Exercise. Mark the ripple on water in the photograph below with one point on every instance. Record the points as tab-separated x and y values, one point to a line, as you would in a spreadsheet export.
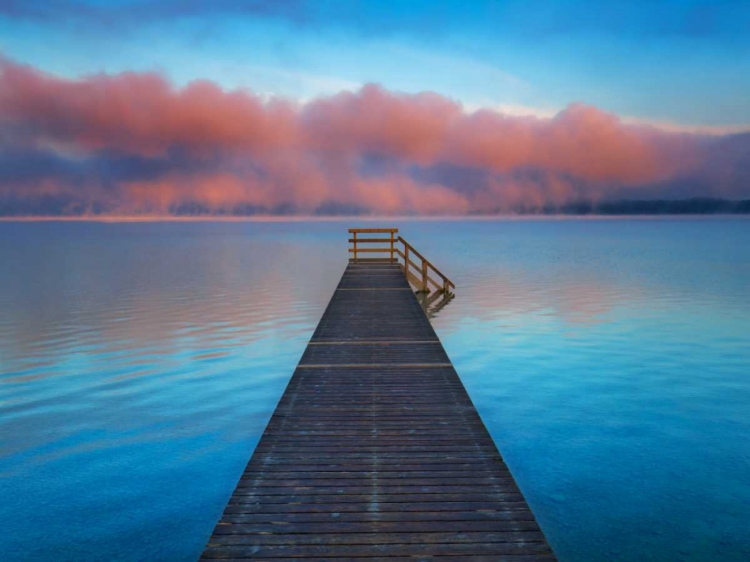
141	362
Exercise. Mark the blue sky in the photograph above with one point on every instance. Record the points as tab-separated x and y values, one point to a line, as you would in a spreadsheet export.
683	63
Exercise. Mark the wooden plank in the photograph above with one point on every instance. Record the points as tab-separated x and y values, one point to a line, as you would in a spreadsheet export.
335	534
460	515
372	230
217	550
363	261
373	289
404	342
459	558
370	250
375	449
382	240
412	511
349	558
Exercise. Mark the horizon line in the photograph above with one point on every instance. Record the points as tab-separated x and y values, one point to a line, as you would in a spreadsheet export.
342	218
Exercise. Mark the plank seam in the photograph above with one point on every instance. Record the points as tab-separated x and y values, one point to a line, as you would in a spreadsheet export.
373	365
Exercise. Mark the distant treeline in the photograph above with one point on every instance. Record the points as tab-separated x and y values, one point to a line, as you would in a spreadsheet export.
695	206
51	206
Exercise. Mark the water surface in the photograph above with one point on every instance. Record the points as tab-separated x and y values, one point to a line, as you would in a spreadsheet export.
140	362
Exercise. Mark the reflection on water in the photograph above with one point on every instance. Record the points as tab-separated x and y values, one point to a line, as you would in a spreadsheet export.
432	303
610	360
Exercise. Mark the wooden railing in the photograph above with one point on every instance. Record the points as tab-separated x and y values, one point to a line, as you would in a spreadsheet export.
424	273
422	278
357	242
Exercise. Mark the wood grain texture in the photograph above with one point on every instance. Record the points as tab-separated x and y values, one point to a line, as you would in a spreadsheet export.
375	451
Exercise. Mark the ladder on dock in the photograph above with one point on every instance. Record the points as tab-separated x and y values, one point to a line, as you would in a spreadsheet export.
375	450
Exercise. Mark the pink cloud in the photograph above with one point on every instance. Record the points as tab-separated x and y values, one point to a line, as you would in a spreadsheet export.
373	120
140	113
239	150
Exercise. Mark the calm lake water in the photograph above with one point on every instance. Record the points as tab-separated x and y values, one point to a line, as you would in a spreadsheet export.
140	362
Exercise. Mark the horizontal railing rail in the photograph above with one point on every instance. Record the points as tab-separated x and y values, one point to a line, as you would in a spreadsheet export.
389	243
422	275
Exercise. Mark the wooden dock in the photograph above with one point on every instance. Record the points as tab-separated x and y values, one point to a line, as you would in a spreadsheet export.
375	450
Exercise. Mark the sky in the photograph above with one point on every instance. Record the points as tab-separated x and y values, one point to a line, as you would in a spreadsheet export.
345	107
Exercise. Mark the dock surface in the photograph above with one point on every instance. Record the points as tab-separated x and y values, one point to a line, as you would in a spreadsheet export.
375	450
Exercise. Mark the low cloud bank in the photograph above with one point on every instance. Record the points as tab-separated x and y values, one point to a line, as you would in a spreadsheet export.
132	143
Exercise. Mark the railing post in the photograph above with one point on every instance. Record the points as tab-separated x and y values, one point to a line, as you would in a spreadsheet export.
424	277
406	258
392	246
355	246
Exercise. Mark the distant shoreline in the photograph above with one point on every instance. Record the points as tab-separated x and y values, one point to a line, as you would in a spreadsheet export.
695	207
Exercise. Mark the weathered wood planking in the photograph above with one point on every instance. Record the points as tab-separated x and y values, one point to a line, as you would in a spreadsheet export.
375	450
